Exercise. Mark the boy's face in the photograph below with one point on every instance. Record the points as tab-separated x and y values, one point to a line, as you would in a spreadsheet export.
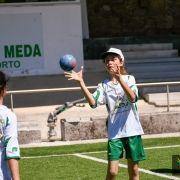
3	92
113	64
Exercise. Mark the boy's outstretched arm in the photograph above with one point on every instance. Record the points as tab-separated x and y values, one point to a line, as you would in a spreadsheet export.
77	76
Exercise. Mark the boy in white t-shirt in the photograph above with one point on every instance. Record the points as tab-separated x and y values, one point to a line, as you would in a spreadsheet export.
120	95
9	148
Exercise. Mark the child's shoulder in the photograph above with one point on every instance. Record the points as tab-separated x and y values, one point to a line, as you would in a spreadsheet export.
4	110
103	83
129	77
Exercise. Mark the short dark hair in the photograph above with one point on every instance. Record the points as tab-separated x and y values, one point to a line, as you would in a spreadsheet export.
3	80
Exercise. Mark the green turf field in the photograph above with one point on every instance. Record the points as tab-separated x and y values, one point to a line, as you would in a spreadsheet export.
64	163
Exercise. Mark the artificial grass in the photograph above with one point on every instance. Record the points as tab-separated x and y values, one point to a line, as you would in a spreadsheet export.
68	149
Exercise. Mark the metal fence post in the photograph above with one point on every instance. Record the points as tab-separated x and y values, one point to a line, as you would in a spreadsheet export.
168	104
12	105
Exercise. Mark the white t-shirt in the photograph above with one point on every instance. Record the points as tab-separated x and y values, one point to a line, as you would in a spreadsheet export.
123	118
9	147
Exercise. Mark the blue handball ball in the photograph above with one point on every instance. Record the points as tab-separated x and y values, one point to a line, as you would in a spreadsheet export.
68	62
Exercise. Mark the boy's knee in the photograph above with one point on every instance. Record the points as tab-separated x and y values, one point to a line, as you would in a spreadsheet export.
113	172
135	170
113	168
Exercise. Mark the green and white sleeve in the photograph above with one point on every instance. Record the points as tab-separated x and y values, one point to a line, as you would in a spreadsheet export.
11	140
99	95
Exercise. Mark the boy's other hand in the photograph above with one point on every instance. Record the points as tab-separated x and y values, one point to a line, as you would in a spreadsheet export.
118	72
77	76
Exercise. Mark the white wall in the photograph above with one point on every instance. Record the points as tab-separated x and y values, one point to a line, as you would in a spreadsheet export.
55	27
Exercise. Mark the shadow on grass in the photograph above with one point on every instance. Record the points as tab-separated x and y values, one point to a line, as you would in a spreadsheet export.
166	170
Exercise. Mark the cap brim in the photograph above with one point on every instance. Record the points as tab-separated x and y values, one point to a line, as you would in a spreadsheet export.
105	54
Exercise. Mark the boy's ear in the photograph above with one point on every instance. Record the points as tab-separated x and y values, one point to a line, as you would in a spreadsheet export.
121	62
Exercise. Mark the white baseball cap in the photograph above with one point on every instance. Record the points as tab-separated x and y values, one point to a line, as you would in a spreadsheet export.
113	51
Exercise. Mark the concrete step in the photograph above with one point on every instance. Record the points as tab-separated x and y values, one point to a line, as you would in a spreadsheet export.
142	47
150	54
154	67
160	99
154	60
158	79
156	75
159	89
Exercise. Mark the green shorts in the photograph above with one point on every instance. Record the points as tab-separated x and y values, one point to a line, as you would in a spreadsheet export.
132	146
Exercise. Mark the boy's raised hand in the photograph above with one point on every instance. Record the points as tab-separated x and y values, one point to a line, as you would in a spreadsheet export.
77	76
118	71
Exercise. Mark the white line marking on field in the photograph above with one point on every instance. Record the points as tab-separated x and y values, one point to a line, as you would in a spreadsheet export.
94	152
46	156
161	147
125	166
